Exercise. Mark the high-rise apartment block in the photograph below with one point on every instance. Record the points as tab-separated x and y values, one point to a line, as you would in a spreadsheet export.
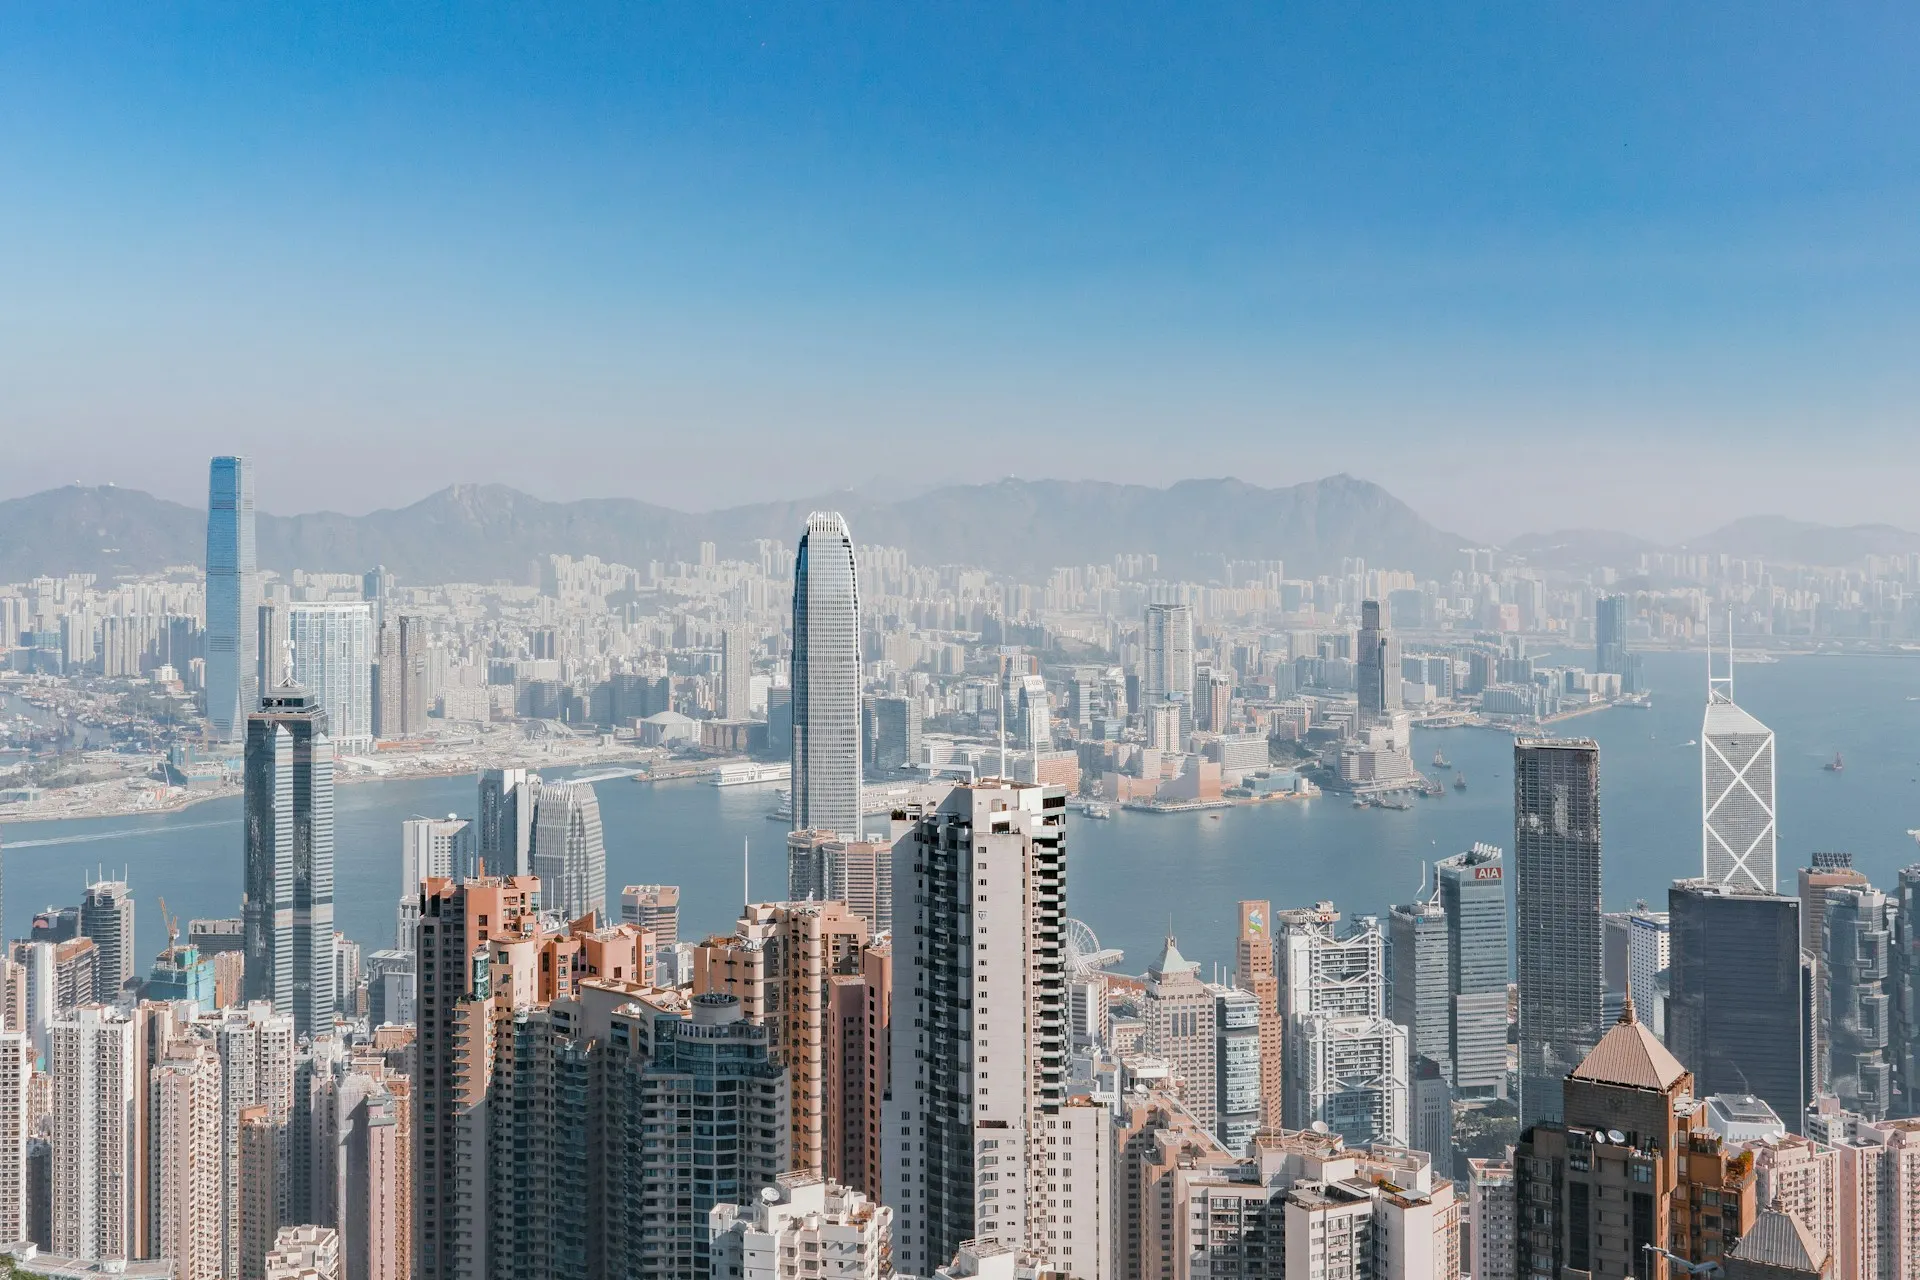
187	1176
569	850
824	865
1556	837
807	1228
94	1067
655	908
1473	894
735	700
16	1126
233	591
1492	1220
826	679
331	643
404	677
979	1022
780	965
1741	995
288	905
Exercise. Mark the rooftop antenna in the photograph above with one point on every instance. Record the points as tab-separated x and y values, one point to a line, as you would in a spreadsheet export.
746	874
1720	688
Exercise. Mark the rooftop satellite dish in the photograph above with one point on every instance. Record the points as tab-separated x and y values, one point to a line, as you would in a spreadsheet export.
1616	1137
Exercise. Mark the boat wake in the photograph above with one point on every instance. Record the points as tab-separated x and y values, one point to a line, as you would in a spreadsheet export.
91	836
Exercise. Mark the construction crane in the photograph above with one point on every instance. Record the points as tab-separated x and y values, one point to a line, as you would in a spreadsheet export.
171	922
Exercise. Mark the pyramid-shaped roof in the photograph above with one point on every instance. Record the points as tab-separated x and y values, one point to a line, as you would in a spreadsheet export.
1629	1055
1171	961
1778	1239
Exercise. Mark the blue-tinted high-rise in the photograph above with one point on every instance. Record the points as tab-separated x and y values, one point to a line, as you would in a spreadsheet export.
288	840
233	589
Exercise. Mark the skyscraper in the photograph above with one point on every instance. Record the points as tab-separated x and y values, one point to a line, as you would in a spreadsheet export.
288	907
1737	1015
1473	892
403	695
1255	970
979	1028
1181	1028
106	916
93	1062
504	843
1347	1061
1556	839
569	850
332	648
1610	653
1417	963
429	847
736	674
826	679
1376	666
233	590
1857	1011
1737	831
1166	673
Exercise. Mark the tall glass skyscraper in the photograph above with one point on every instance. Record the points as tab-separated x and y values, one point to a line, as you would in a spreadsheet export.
287	912
1167	669
332	646
570	850
1556	862
1473	891
233	590
1737	831
826	679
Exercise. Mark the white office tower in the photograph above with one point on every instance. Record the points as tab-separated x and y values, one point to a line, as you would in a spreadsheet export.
186	1173
1036	715
429	847
16	1080
802	1228
504	841
1346	1061
96	1090
826	679
1166	673
332	648
1737	831
979	1053
569	851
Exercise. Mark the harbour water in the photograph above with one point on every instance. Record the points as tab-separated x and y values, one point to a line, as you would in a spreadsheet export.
1130	876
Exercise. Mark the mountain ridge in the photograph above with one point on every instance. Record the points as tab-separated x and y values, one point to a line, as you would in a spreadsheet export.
484	532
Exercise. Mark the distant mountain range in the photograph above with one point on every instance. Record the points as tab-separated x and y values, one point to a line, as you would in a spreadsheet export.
481	533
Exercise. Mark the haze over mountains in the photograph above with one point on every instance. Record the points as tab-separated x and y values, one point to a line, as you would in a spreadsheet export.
488	532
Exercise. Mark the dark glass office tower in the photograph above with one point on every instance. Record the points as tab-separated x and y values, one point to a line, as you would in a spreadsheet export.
1473	892
233	590
288	908
1735	1012
1556	862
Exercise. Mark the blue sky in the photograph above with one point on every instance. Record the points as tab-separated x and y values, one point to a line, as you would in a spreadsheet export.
1529	266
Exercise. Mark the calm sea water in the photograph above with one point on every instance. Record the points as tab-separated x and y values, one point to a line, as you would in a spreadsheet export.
1133	876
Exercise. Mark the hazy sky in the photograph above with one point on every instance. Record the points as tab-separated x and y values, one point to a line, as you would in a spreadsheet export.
1529	266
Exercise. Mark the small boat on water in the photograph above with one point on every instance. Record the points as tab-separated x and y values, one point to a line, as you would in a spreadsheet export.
1440	760
1834	765
1459	782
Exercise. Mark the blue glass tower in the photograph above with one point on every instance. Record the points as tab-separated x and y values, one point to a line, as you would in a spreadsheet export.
233	591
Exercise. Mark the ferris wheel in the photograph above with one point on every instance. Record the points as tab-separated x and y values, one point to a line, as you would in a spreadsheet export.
1085	955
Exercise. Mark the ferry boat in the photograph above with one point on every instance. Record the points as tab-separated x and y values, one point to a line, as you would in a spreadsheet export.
1459	782
1834	765
1096	809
